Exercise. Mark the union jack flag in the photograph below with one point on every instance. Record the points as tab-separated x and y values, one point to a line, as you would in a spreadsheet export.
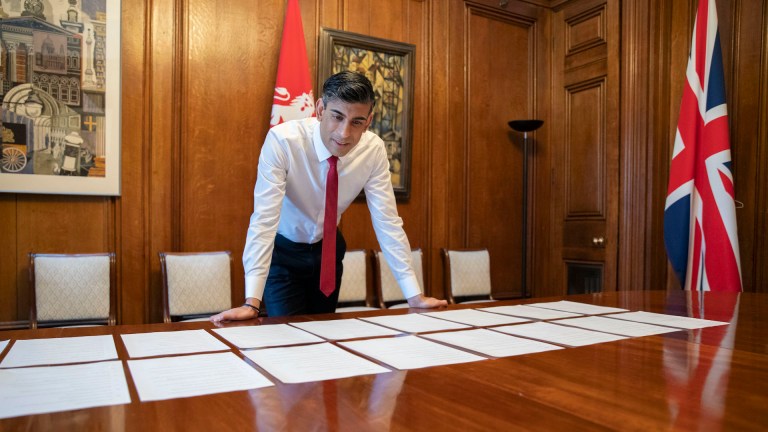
700	216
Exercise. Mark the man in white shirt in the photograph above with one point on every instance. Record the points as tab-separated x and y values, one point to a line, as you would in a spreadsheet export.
282	256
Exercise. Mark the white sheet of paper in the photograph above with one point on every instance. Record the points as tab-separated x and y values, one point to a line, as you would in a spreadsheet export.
3	344
531	312
563	335
31	352
620	327
193	375
317	362
576	307
410	352
172	342
475	318
491	343
266	336
414	323
47	389
344	329
668	320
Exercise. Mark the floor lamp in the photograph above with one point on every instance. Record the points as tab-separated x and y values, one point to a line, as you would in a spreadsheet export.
525	126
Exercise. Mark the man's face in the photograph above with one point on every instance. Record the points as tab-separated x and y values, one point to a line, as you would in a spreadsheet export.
342	124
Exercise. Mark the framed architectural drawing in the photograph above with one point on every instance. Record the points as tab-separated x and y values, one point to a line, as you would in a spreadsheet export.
390	67
60	92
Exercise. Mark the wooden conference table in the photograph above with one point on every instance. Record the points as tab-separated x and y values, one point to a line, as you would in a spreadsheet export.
707	379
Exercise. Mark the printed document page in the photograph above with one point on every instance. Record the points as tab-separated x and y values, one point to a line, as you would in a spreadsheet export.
668	320
491	343
620	327
47	389
307	363
475	317
266	336
193	375
344	329
576	307
3	344
563	335
30	352
172	342
414	323
410	352
531	312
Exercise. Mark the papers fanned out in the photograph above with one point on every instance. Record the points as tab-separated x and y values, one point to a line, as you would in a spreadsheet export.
414	323
30	352
266	336
491	343
344	329
576	307
38	390
315	362
620	327
531	312
668	320
194	375
475	318
558	334
410	352
168	343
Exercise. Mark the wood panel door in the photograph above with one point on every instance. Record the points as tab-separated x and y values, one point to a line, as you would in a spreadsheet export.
586	180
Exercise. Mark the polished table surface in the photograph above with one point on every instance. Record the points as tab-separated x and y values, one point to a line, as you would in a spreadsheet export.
707	379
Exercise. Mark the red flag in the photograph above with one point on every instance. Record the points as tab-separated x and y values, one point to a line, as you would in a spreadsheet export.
700	214
293	97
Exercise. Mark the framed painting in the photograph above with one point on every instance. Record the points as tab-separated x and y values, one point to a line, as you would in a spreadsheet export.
60	92
390	67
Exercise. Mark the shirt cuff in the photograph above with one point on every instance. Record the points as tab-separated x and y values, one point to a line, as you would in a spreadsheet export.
253	288
410	286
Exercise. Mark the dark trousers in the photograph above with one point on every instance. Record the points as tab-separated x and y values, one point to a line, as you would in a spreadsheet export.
293	284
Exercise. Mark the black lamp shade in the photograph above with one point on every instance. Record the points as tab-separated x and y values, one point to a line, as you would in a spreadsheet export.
525	125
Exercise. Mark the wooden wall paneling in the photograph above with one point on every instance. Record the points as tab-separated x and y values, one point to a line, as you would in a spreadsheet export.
439	126
10	294
497	42
659	147
161	199
131	209
761	226
746	110
541	155
636	147
586	86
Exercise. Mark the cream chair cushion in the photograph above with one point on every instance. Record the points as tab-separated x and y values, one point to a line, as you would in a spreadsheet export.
353	280
198	283
390	290
470	273
72	287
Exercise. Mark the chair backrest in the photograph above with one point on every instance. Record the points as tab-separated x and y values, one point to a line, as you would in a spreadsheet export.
356	287
195	283
467	273
387	289
72	289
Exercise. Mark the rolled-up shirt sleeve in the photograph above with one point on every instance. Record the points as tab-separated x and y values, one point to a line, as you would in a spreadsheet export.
389	226
268	197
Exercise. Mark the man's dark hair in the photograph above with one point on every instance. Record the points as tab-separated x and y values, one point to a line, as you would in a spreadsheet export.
349	87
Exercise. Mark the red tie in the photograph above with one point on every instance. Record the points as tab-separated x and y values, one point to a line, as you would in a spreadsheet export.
328	263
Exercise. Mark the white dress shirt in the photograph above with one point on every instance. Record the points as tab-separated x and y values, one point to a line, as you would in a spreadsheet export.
289	199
